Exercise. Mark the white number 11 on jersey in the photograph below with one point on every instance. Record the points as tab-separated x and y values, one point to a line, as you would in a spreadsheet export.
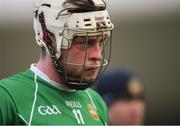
78	116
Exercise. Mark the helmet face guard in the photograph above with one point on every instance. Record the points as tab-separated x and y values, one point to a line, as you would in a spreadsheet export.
81	82
67	26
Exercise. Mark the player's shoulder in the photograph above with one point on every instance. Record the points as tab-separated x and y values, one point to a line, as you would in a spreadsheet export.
95	95
92	91
12	87
16	80
99	103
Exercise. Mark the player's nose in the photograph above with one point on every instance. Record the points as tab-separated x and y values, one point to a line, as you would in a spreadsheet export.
95	52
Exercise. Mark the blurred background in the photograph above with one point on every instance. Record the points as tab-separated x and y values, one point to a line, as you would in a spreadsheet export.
146	39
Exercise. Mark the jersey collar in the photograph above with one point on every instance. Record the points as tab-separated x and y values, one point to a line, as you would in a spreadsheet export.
43	76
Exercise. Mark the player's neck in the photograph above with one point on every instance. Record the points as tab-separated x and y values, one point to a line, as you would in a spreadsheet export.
46	66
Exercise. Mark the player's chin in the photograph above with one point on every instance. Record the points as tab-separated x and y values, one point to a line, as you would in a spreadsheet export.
90	77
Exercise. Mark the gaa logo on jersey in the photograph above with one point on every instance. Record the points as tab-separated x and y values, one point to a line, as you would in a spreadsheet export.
92	112
49	110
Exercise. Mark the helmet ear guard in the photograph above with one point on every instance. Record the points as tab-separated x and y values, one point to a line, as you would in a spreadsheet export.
65	27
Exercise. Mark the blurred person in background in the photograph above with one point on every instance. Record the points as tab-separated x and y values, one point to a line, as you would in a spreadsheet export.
123	93
72	35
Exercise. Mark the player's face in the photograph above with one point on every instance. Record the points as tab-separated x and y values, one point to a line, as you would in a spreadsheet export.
127	112
82	53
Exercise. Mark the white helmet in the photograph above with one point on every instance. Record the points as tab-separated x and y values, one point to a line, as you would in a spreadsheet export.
54	16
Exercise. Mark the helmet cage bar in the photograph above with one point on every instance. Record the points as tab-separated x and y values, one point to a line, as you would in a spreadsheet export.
65	70
103	53
109	57
105	62
85	56
108	60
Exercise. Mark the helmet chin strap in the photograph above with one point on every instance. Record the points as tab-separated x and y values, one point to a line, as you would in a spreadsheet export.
71	82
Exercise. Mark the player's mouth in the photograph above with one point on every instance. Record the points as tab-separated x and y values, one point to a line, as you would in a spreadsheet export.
91	70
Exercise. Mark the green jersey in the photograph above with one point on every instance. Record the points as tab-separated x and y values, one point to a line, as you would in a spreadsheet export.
30	98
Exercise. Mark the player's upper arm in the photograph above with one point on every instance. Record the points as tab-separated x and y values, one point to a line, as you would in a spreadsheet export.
8	112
